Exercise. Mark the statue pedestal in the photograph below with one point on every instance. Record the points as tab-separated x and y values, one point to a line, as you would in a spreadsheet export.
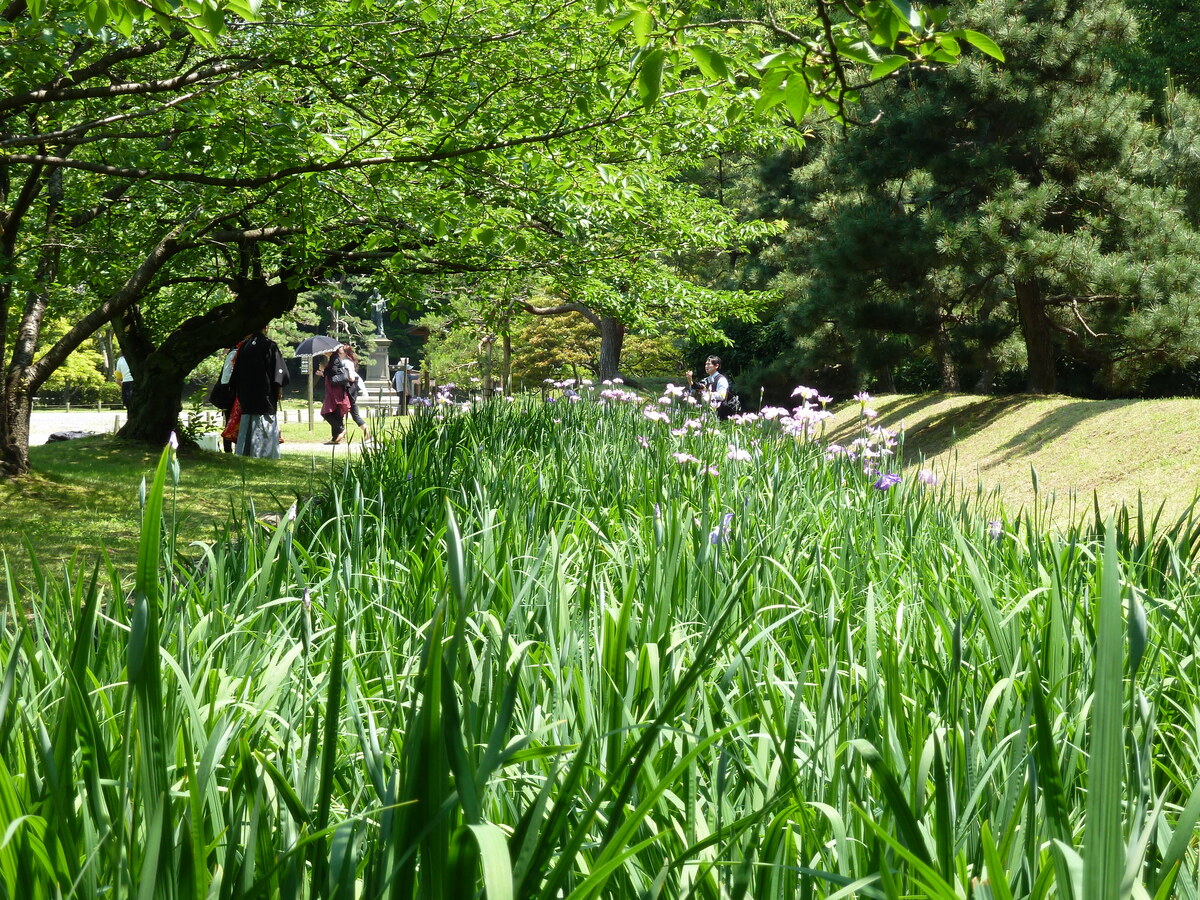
379	369
378	376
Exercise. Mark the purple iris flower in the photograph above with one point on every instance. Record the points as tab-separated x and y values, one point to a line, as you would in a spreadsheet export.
721	532
887	481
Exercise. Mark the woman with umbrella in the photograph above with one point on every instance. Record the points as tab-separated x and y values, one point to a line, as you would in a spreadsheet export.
337	401
339	373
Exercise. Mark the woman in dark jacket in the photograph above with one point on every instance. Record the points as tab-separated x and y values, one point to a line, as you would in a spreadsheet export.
337	400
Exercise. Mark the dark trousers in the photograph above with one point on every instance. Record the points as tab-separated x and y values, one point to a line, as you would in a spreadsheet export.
127	394
337	422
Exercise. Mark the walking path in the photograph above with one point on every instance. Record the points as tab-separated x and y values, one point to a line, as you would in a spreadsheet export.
43	423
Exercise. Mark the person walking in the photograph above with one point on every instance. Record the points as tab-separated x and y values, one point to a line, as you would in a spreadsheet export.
224	399
337	401
259	377
400	383
354	387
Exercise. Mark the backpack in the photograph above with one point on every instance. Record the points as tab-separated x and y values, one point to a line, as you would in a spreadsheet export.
730	406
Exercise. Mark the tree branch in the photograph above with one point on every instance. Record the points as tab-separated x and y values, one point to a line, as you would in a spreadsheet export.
561	310
54	95
114	306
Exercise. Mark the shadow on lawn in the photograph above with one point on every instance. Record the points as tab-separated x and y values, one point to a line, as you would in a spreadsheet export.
939	432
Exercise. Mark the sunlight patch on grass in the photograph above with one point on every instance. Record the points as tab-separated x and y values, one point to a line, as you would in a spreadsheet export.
82	499
1112	449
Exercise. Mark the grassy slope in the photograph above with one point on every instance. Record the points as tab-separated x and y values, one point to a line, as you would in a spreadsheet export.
1110	448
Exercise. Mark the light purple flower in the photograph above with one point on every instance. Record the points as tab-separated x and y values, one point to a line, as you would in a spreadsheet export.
720	534
926	476
643	440
173	441
887	481
994	529
737	454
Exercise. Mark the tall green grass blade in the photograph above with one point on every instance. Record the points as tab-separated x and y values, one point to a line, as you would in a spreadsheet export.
493	854
1103	841
158	869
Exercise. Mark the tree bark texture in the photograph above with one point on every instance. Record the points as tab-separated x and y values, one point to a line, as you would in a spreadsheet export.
612	340
945	357
1039	344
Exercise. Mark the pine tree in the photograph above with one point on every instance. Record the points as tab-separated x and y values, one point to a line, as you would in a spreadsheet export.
1006	215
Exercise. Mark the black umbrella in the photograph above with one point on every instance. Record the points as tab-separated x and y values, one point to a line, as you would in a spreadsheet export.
316	345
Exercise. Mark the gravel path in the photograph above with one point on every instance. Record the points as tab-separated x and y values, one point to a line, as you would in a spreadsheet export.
44	423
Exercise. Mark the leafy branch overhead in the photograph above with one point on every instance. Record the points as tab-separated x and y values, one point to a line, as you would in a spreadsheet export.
818	57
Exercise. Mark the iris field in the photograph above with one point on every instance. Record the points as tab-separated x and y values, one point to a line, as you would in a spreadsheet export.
592	648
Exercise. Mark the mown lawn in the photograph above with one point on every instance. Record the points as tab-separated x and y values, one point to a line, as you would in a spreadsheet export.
83	499
1083	452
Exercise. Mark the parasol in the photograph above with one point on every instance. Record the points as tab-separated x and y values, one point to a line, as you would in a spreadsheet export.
316	345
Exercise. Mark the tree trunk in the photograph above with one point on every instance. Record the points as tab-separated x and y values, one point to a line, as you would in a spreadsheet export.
506	364
14	427
21	379
612	339
1035	328
24	375
945	357
158	391
612	333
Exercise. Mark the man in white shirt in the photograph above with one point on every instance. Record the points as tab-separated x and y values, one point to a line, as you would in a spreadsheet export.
400	385
714	387
124	378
